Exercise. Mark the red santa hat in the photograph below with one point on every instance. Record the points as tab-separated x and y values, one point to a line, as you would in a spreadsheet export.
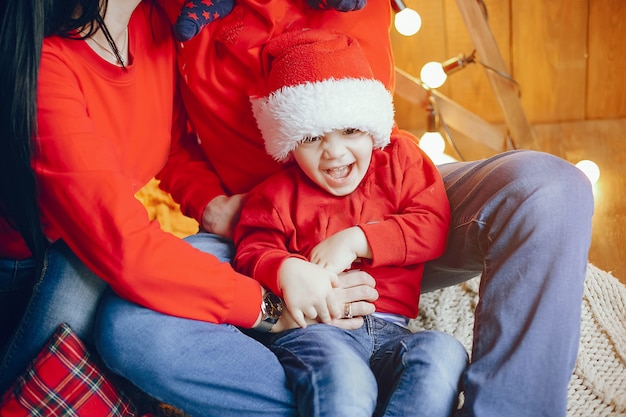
318	81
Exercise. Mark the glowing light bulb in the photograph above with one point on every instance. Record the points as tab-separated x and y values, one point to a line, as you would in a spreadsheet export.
590	169
432	143
408	22
433	75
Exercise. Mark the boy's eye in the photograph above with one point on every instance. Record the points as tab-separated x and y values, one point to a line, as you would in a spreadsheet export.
351	131
310	139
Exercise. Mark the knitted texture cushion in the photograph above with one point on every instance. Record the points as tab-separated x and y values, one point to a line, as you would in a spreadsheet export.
598	384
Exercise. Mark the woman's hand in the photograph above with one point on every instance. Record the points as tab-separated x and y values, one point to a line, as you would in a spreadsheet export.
222	213
356	288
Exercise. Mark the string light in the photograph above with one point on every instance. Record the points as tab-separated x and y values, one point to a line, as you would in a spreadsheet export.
434	74
407	21
590	169
431	141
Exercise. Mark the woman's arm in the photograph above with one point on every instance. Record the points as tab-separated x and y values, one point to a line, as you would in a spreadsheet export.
101	138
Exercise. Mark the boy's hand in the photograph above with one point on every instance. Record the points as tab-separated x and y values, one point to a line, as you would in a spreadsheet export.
308	291
337	252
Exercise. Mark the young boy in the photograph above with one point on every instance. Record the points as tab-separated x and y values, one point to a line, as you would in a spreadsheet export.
359	196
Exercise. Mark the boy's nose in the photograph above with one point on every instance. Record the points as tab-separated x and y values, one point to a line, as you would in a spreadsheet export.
333	147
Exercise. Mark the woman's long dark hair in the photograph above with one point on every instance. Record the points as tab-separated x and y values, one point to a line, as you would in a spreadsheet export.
23	25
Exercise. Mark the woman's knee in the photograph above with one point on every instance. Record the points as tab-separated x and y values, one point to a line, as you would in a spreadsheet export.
136	341
117	333
66	291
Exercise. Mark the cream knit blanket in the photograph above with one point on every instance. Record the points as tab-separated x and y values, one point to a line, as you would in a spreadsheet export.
598	384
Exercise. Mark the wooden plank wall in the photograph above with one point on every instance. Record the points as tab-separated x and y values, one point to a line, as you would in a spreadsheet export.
570	61
568	57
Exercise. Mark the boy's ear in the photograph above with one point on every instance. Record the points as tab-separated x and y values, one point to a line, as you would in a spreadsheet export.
196	14
339	5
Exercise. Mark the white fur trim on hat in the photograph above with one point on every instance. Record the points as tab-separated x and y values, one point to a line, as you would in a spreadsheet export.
290	114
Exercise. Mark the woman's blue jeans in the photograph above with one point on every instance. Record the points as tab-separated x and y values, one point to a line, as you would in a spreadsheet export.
522	219
65	290
202	368
378	370
16	284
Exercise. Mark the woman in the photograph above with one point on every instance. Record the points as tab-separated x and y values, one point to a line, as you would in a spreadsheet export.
93	105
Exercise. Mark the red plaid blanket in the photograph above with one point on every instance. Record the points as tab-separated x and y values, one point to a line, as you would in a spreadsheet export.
63	381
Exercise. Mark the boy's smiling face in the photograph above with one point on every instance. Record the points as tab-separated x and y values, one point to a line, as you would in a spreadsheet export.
336	161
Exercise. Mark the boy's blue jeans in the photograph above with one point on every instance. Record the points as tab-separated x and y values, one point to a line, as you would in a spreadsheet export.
378	370
522	219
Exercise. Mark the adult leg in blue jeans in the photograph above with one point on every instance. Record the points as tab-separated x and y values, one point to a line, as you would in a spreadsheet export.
523	220
204	369
66	291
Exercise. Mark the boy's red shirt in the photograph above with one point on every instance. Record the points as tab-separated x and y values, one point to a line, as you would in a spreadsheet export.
400	205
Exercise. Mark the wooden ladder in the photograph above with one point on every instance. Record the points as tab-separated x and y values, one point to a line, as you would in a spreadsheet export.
461	119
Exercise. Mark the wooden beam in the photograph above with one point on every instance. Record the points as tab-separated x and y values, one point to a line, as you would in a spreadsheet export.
505	90
453	114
